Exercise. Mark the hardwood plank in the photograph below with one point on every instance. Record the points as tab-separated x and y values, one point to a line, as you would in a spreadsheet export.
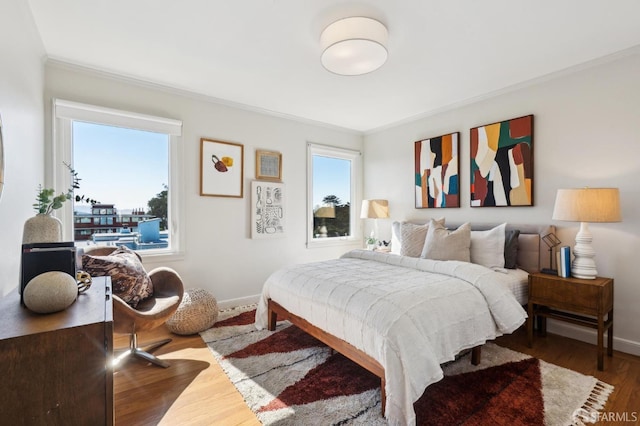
194	391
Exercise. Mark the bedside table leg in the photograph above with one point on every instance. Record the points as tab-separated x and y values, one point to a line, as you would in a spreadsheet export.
530	320
610	334
600	342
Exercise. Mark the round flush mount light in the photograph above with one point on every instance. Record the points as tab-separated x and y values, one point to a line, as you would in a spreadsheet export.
354	46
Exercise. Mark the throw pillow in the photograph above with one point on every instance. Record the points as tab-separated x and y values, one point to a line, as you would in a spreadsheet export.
129	279
511	248
442	244
395	238
487	247
412	237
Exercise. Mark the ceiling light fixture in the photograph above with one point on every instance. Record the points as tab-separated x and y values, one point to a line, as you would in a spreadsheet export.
354	46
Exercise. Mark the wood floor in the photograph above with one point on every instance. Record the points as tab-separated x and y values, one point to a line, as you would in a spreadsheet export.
195	391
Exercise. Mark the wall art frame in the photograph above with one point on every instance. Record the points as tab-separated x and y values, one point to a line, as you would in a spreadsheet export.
502	163
437	172
268	209
268	165
221	168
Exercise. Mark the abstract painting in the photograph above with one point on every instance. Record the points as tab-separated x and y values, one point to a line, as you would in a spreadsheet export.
436	172
502	163
267	210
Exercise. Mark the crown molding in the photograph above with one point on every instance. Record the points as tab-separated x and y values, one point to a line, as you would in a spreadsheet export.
635	50
64	64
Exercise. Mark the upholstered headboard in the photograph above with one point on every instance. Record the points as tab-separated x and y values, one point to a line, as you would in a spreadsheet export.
533	253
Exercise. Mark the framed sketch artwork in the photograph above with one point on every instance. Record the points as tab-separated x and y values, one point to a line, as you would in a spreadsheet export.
267	209
268	165
502	163
221	168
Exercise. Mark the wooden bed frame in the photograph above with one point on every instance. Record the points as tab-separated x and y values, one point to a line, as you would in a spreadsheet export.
276	311
532	256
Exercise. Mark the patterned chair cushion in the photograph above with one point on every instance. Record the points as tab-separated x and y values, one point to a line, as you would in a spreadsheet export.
129	279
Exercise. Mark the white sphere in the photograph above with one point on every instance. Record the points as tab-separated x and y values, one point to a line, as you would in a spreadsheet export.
49	292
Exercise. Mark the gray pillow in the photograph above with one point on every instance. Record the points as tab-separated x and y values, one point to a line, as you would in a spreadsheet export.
442	244
511	248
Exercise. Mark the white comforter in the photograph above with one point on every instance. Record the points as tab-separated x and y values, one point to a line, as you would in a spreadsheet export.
409	314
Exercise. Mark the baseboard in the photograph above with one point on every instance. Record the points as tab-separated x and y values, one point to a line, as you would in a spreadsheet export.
590	336
242	301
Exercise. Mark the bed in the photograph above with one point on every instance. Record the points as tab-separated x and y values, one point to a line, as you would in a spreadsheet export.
401	317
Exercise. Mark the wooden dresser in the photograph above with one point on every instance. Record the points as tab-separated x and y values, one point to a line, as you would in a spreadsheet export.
55	368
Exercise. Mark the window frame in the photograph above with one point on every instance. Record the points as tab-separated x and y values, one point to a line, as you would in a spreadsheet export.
355	157
65	112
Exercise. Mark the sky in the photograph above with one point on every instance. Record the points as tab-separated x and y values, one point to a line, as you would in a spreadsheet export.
331	176
132	168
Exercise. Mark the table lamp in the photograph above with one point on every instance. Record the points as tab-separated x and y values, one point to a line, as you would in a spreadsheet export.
327	212
375	209
586	205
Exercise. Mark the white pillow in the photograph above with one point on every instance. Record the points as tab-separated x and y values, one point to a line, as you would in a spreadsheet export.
487	247
442	244
395	238
412	237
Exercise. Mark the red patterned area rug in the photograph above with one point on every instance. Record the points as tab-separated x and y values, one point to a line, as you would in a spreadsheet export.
289	378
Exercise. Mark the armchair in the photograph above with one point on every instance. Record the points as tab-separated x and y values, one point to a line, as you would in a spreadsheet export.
150	313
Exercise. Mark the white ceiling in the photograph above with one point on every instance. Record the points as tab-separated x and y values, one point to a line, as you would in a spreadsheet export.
265	54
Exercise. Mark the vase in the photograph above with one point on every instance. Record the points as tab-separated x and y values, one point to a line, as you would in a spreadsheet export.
42	228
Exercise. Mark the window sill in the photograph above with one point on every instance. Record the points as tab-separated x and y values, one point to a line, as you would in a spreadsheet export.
333	242
160	256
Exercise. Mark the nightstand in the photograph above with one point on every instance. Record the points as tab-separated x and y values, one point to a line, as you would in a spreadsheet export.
577	301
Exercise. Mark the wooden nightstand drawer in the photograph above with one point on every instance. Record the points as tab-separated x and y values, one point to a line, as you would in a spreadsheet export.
590	297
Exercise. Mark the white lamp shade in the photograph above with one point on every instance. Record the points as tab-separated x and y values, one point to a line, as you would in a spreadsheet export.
588	205
354	46
374	209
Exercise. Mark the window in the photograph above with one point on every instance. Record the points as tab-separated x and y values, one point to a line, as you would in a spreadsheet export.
333	193
124	161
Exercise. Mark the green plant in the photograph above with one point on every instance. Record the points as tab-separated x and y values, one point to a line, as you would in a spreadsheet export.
371	240
47	201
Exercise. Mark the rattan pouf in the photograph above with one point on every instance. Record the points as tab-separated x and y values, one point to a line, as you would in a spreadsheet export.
197	312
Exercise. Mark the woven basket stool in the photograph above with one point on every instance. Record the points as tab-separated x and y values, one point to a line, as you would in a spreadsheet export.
197	312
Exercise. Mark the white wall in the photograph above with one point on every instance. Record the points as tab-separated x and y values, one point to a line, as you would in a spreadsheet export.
586	133
220	255
21	86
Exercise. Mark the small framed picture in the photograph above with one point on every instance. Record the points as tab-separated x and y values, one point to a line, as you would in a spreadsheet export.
221	168
268	165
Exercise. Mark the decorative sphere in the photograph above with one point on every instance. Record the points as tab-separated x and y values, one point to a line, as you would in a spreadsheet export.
49	292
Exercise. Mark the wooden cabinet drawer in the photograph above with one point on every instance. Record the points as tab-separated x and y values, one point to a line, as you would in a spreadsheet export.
581	296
